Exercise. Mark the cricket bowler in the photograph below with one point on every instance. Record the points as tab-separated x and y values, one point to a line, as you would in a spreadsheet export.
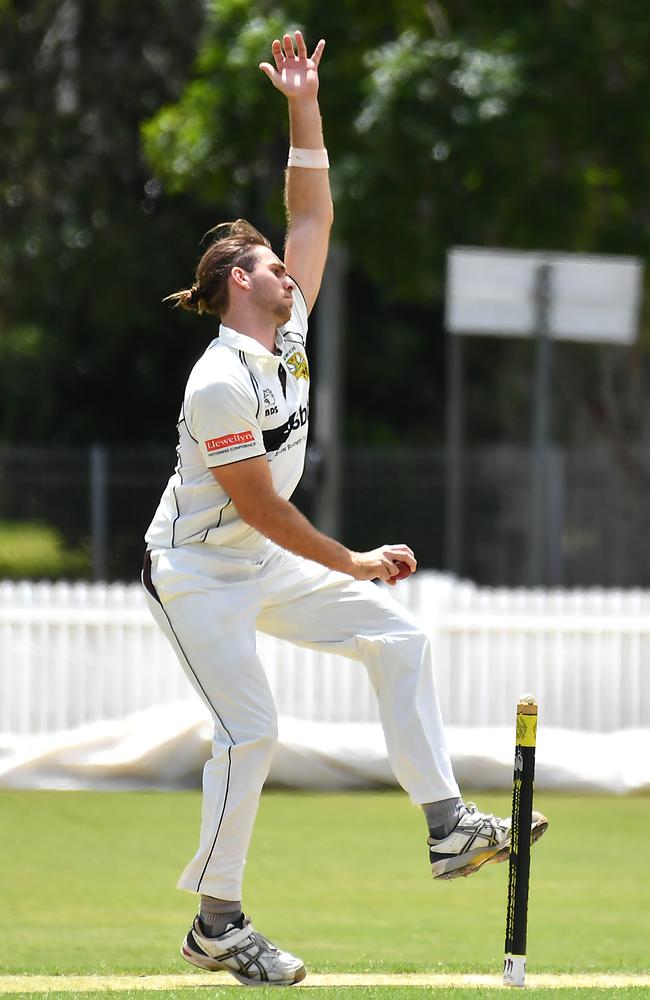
228	554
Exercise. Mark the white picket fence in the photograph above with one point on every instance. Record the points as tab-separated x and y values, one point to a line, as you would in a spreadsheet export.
77	653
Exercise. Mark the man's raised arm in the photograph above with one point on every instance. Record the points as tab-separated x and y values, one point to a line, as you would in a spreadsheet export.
308	199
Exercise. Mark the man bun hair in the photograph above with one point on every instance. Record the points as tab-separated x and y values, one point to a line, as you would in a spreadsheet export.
188	298
233	245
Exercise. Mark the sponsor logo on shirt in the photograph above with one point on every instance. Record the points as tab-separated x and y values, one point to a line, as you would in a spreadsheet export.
270	406
299	419
229	441
275	437
297	365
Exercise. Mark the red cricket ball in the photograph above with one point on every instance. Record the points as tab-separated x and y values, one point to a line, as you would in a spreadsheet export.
404	570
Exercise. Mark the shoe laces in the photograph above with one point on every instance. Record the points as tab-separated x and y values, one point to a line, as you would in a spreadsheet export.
263	943
489	819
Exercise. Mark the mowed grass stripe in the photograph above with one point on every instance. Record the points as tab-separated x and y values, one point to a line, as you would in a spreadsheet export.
102	984
340	880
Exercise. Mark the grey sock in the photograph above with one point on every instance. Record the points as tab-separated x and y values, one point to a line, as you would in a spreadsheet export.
215	914
442	816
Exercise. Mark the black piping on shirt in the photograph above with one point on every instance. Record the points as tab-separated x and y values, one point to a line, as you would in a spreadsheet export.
242	358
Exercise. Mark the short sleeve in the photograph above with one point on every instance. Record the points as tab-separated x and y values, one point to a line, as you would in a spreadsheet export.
299	321
223	419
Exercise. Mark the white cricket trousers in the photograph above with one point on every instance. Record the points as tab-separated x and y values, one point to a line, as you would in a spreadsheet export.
209	602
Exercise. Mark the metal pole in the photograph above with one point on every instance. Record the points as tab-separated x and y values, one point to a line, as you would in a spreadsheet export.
555	515
329	392
454	521
538	561
99	511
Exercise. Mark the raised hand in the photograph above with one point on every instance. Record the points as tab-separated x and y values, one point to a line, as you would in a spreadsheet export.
295	73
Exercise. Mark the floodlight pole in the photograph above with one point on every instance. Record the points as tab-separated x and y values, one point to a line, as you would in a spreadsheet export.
538	561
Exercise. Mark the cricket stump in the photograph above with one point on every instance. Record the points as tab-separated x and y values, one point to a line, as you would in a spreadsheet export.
514	965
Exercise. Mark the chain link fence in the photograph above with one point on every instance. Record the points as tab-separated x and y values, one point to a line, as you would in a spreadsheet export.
81	513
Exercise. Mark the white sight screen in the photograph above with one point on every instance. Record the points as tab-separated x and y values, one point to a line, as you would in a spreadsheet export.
591	298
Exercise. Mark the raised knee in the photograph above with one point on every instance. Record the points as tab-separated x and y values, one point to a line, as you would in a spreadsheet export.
407	649
415	651
410	636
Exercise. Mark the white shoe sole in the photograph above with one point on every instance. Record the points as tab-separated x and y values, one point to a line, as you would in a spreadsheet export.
466	864
212	965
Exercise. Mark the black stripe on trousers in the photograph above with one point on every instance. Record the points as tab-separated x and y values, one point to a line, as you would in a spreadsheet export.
147	583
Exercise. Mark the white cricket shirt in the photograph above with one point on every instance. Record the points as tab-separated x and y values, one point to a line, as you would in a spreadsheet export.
240	401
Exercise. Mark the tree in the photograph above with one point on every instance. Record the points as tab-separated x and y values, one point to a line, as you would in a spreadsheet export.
507	124
88	246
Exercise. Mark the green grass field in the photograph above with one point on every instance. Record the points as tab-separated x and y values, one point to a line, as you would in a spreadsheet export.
87	887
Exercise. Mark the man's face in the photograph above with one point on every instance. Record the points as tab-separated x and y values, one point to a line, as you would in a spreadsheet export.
271	287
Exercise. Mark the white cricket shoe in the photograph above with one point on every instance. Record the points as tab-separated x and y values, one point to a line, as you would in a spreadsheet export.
479	839
247	955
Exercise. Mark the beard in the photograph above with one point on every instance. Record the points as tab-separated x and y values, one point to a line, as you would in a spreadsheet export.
279	309
282	313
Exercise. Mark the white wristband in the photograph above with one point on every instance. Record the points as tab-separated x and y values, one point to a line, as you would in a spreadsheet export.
312	159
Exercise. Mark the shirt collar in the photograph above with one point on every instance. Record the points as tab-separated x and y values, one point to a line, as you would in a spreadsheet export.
240	342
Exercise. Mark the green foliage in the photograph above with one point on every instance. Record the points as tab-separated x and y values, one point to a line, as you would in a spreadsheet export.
430	104
24	382
37	551
218	140
88	249
505	124
509	124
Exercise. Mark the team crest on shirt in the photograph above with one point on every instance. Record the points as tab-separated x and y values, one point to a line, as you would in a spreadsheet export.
297	365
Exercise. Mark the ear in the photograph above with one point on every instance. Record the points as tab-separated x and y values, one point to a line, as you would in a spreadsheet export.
240	277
